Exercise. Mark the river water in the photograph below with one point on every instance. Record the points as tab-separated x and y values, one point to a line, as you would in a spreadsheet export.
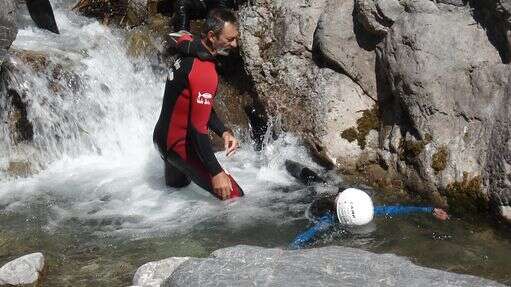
99	208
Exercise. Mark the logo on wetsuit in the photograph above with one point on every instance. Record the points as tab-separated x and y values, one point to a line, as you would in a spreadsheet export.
204	98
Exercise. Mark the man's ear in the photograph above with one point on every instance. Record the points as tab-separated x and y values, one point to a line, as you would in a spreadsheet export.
211	36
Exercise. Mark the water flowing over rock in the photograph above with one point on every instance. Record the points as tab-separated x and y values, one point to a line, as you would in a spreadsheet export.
327	266
125	12
318	103
28	270
8	28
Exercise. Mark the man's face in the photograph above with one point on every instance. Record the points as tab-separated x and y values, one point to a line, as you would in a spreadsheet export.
226	40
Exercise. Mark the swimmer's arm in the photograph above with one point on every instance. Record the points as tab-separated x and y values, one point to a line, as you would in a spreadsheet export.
304	238
392	210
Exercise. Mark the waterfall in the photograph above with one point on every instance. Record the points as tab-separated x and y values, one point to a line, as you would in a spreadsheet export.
82	94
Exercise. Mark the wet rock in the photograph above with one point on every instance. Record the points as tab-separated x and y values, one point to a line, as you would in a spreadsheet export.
435	78
153	274
118	12
8	30
302	173
28	270
327	266
140	44
339	45
317	103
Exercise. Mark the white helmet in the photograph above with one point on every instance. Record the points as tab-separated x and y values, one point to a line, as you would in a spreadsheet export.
354	207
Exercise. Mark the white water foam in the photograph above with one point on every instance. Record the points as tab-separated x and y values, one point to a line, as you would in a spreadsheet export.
100	167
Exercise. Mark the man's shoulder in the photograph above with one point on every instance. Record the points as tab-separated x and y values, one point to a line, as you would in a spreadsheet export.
183	63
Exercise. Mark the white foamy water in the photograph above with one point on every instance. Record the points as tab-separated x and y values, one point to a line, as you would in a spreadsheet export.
100	171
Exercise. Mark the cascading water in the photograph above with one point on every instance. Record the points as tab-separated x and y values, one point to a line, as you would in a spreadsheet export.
92	137
97	205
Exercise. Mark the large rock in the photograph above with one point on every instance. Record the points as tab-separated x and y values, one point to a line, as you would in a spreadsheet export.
153	274
338	43
28	270
120	12
376	16
446	109
327	266
8	28
317	103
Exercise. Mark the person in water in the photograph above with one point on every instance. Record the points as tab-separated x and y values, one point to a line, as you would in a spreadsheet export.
181	133
186	9
353	207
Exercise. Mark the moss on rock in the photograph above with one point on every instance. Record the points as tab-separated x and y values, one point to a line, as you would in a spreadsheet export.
410	149
350	134
369	121
439	159
466	197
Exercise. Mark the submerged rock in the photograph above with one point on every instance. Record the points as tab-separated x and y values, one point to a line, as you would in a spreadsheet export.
327	266
28	270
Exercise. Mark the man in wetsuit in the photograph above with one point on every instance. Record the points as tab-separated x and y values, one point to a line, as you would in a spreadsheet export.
181	133
186	9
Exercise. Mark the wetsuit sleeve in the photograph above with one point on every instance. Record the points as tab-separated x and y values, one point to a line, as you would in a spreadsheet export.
215	124
305	238
400	210
201	106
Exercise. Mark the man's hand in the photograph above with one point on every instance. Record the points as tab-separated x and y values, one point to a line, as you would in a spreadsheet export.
230	143
222	185
440	214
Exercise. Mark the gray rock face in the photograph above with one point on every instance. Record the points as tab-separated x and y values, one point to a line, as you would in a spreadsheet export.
438	77
327	266
445	96
26	271
317	103
8	28
336	40
376	16
152	274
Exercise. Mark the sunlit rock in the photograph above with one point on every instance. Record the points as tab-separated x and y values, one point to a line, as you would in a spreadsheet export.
450	106
317	103
28	270
345	48
153	274
327	266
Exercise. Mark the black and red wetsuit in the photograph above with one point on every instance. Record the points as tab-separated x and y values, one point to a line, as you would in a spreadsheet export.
181	133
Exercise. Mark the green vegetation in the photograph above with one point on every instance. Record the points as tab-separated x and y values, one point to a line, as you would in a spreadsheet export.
439	159
410	149
466	197
369	121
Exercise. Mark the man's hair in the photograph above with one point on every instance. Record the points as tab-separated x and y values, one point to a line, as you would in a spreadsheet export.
216	19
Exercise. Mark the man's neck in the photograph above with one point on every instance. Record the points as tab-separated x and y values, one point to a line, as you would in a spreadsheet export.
210	50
